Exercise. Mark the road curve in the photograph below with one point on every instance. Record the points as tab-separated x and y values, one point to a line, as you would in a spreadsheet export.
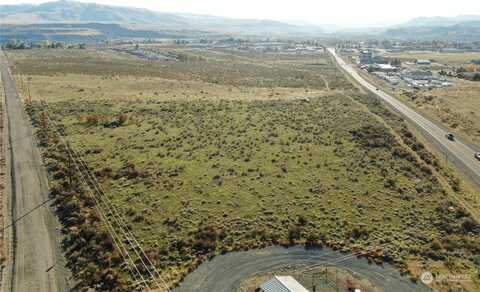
458	152
37	264
225	272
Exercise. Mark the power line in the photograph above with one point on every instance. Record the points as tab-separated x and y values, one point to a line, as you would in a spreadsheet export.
115	236
95	188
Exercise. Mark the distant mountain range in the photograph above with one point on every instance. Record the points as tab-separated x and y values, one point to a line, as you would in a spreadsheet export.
15	18
458	29
72	11
440	21
66	11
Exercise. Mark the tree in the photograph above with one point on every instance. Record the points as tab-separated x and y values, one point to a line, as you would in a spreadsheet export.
396	62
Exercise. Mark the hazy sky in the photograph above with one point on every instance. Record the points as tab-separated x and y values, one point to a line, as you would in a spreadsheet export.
341	12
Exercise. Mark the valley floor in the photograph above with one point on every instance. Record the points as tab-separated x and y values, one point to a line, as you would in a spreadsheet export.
205	156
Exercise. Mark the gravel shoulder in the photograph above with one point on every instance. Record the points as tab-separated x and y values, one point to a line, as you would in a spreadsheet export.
36	262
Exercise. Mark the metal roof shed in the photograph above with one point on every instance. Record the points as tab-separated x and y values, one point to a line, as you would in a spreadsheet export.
282	284
423	62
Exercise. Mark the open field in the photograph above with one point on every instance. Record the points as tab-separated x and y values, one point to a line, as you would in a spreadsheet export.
86	74
108	74
449	59
218	152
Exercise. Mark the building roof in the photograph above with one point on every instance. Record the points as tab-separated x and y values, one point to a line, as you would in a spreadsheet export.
420	73
423	61
282	284
386	67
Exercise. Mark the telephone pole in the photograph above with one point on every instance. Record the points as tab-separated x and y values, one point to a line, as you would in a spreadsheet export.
29	100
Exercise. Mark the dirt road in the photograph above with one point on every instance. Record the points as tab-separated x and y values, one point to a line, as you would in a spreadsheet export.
37	263
224	273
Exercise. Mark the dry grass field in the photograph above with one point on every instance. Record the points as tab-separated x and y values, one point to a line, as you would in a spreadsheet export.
449	59
90	74
218	152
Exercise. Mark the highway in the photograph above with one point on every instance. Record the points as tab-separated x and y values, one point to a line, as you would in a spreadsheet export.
458	152
36	263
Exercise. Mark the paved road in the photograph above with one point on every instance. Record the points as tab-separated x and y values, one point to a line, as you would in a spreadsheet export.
225	272
37	262
460	153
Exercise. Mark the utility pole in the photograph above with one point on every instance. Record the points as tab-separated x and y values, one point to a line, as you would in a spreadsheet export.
29	100
69	166
44	122
326	275
336	279
314	282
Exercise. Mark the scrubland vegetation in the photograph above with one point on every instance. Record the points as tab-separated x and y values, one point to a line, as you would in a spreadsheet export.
195	177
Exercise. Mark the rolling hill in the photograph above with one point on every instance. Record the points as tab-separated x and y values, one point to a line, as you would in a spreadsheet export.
24	21
66	11
73	11
461	32
440	21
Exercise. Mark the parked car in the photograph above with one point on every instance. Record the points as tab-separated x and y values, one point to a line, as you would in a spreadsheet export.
450	137
477	155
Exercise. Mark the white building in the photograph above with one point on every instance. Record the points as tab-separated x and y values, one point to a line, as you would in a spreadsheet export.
386	67
423	62
281	284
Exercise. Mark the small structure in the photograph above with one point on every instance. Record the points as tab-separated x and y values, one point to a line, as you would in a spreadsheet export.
423	62
385	68
281	284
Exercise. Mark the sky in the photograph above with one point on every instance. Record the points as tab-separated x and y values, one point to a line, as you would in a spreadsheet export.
345	13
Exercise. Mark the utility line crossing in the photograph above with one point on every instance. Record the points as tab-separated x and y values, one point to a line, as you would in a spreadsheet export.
124	240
